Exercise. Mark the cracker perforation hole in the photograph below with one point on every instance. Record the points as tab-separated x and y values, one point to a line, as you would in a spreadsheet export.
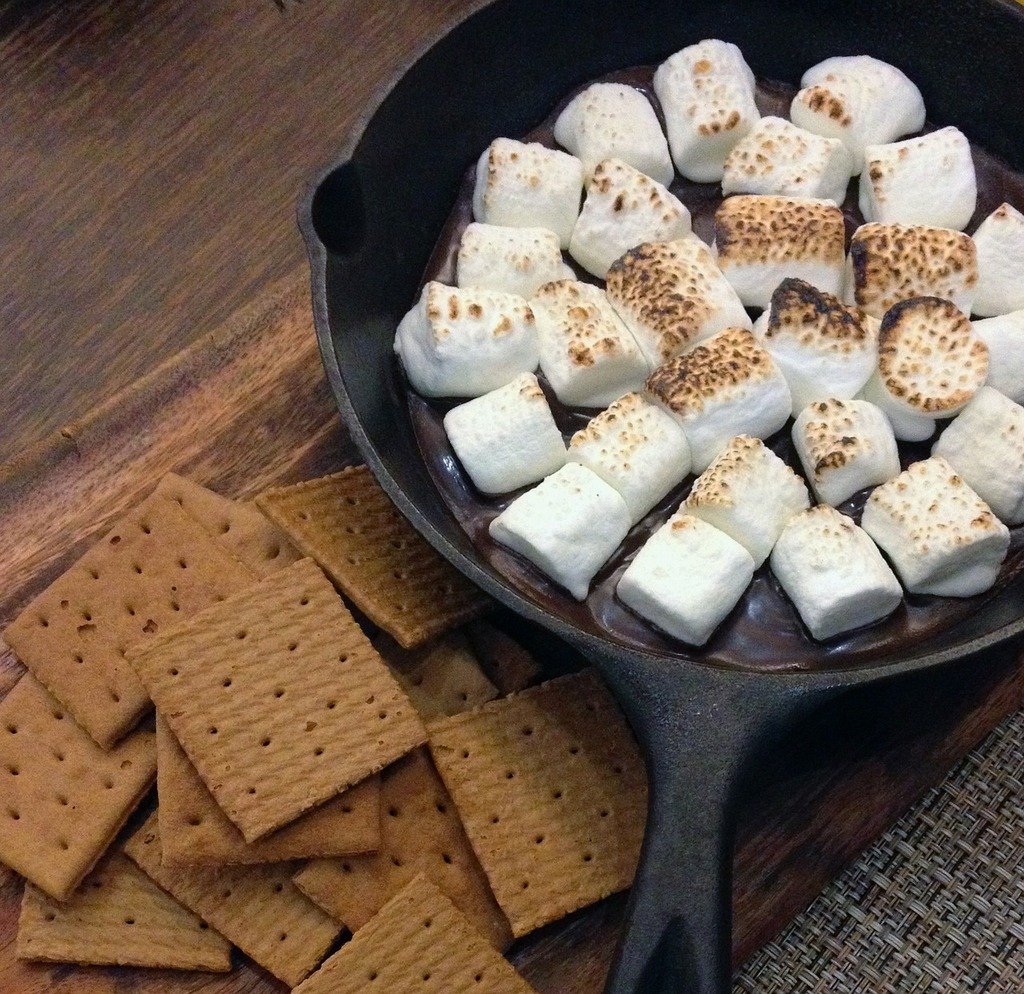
396	861
279	693
145	528
63	845
278	887
226	682
182	564
265	743
318	751
129	921
15	815
195	821
292	646
282	936
446	858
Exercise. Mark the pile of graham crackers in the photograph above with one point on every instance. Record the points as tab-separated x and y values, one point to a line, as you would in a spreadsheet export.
374	804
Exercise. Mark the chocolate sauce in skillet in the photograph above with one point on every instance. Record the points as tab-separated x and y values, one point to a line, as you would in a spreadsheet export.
763	632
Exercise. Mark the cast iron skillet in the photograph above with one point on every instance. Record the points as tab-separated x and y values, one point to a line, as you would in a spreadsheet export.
370	223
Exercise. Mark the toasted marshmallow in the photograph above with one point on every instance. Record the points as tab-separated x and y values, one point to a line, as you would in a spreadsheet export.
587	354
1000	244
844	446
860	101
893	262
672	295
463	343
568	526
725	387
927	180
510	260
777	157
624	208
749	493
611	120
930	363
833	574
940	535
707	93
759	241
522	185
1004	337
507	438
637	448
985	445
687	577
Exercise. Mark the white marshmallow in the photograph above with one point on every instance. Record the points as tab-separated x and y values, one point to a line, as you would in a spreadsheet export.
1000	244
637	448
942	538
510	260
749	493
1004	337
507	438
893	262
611	120
759	241
707	94
672	295
844	447
687	577
985	445
624	208
522	185
927	180
930	363
463	343
860	101
833	573
586	352
568	526
727	386
777	157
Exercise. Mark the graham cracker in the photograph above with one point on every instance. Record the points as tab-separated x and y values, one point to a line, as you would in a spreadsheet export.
507	664
194	830
278	699
247	533
552	791
156	566
419	943
62	798
257	908
349	526
420	833
118	917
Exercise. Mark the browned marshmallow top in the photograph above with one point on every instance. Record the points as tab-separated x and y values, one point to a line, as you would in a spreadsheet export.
816	319
773	229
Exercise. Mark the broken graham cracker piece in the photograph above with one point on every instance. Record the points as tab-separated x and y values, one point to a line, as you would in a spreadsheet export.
62	798
156	566
420	833
418	943
350	527
510	666
552	791
118	917
257	908
278	699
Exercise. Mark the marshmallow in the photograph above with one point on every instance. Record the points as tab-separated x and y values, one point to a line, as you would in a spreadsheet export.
833	573
1004	337
586	352
1000	244
462	343
672	295
687	577
930	363
635	447
611	120
778	157
707	93
725	387
568	526
860	101
528	186
507	438
940	535
511	260
926	180
844	447
749	493
893	262
985	445
624	208
823	347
